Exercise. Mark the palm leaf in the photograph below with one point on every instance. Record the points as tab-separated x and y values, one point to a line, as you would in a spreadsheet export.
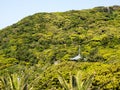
4	83
63	82
73	82
79	81
76	83
88	82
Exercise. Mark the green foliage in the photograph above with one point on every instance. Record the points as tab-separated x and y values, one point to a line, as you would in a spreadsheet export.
47	38
76	83
23	78
14	82
106	76
59	33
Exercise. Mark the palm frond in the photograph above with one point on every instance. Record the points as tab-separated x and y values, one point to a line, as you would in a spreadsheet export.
76	82
88	82
63	82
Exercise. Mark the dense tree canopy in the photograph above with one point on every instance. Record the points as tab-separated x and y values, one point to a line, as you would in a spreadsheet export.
48	37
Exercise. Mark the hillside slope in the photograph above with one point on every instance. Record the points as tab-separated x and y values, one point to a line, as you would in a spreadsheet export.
49	37
56	36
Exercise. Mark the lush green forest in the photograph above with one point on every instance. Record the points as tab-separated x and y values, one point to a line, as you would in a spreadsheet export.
38	49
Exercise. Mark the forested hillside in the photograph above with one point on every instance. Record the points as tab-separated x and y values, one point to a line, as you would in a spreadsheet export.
46	39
